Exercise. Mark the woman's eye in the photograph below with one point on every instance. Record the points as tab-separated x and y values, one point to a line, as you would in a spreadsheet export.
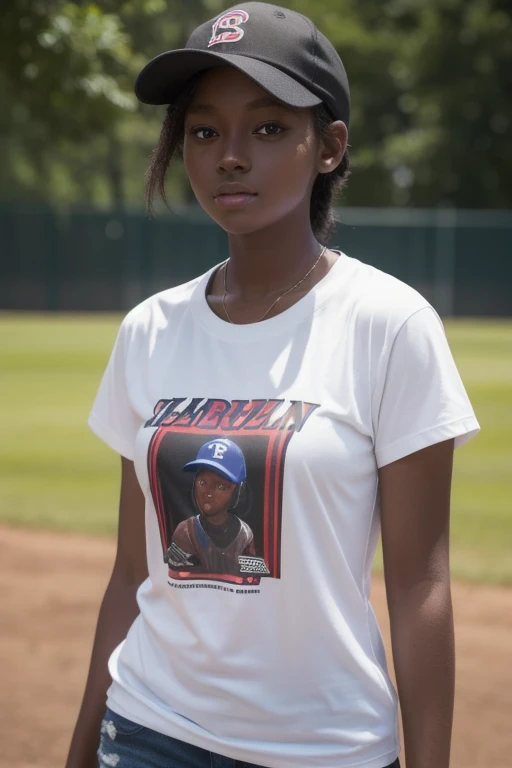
222	487
201	482
203	133
269	129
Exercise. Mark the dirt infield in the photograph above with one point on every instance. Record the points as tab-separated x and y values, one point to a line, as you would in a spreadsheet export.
51	585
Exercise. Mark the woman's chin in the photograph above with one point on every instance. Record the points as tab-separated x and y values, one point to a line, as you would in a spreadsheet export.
239	221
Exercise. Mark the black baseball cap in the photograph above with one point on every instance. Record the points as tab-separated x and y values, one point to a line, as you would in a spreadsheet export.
279	49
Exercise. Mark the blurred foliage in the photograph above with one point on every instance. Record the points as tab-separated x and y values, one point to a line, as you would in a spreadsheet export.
431	84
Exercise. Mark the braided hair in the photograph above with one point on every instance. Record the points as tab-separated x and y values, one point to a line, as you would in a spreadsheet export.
170	145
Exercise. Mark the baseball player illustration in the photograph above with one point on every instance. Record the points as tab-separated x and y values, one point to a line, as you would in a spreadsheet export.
215	540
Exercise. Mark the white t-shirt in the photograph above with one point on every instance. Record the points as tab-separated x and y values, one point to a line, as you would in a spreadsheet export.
266	649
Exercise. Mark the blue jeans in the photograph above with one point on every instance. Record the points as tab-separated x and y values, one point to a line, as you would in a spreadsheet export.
124	744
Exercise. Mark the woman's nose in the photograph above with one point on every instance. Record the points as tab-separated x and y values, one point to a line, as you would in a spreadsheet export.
233	158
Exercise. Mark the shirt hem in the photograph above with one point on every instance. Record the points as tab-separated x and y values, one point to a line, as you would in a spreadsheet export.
461	429
212	744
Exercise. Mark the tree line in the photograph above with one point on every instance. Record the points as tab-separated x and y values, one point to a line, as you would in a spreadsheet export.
431	84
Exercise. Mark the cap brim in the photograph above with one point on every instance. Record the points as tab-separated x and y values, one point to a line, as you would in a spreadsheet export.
194	466
161	79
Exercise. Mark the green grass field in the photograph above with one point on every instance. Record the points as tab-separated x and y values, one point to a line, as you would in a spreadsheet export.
55	474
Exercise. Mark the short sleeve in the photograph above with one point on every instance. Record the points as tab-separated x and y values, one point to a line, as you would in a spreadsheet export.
423	399
113	418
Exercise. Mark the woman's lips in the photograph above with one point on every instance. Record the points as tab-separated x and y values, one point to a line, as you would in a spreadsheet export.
235	200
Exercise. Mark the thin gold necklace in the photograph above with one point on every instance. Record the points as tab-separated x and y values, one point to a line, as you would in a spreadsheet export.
288	290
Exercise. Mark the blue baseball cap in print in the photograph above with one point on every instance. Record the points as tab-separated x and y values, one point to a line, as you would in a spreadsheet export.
222	456
279	49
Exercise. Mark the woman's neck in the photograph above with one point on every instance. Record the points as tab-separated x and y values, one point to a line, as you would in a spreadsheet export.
270	260
263	265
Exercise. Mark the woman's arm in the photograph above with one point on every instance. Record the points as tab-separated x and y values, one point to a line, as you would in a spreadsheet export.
415	512
117	613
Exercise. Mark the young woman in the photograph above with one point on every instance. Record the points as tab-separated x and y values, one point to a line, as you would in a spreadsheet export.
338	384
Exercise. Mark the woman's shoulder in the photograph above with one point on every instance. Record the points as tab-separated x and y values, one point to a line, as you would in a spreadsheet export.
160	308
378	299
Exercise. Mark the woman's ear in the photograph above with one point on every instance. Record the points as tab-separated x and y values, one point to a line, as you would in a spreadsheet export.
332	147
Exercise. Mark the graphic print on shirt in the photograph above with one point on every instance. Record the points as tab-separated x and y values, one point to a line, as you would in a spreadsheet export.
216	476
